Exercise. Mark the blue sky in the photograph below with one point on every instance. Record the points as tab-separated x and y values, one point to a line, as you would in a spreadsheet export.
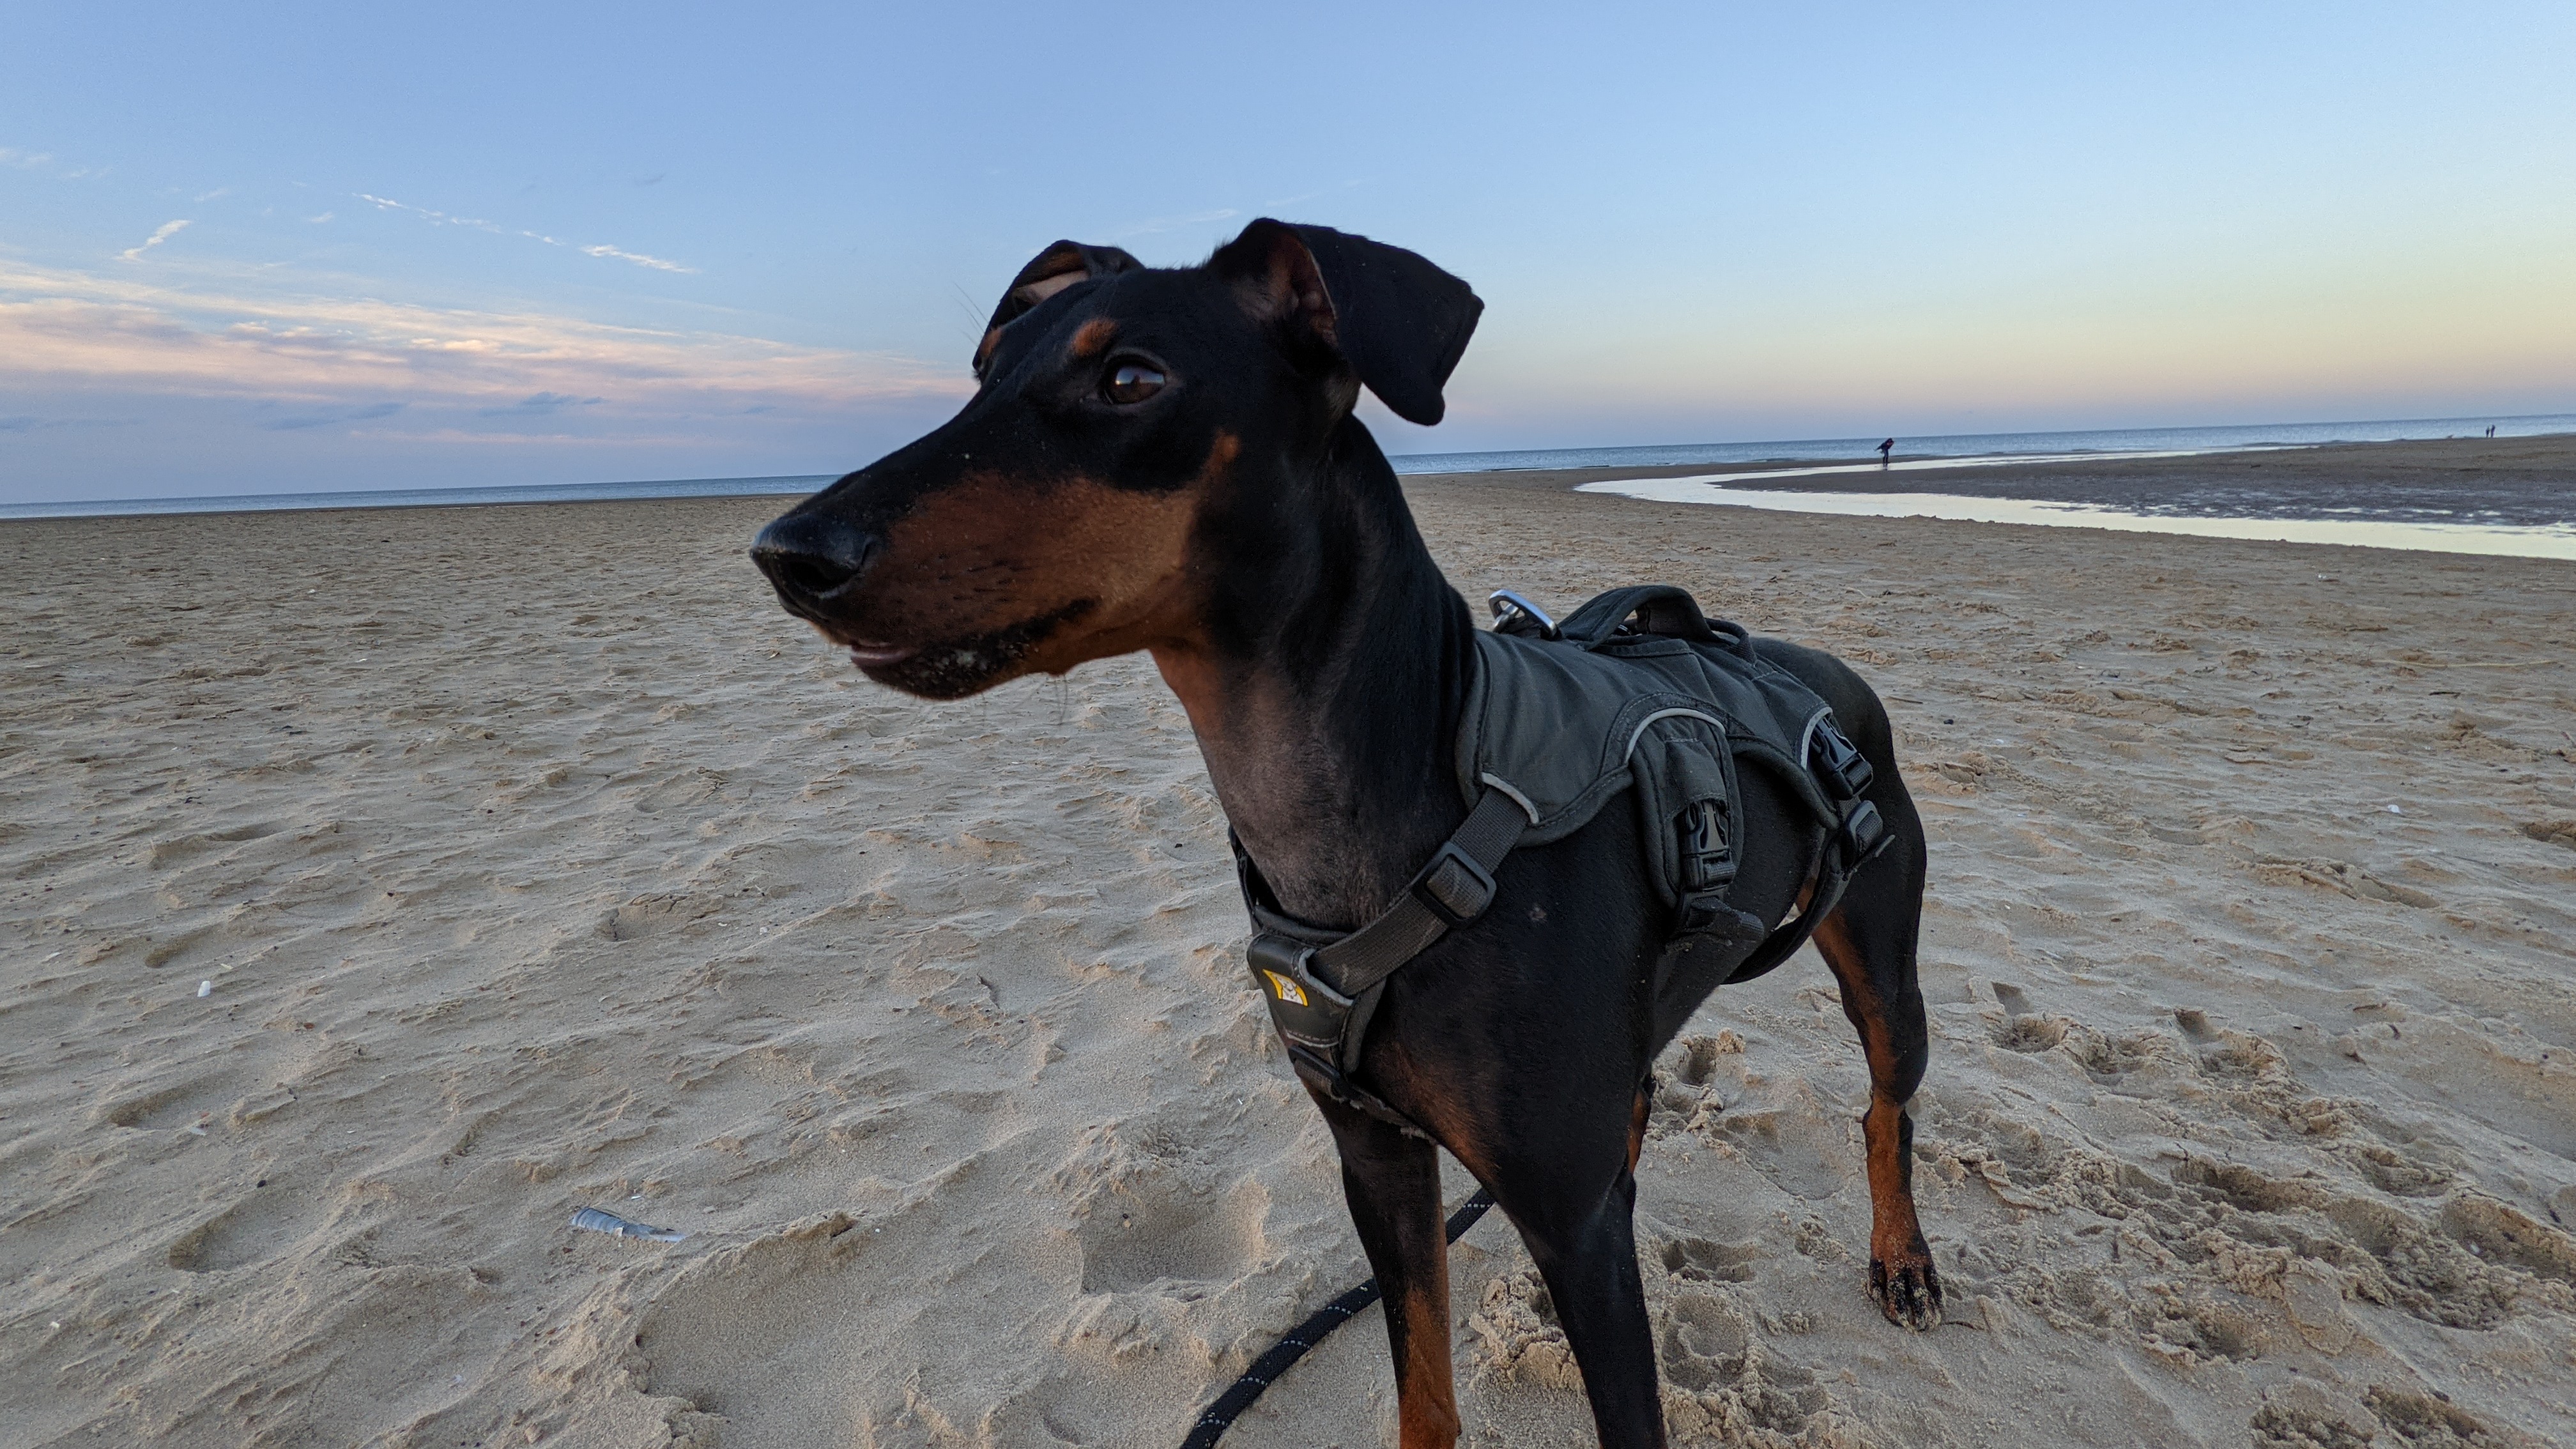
296	248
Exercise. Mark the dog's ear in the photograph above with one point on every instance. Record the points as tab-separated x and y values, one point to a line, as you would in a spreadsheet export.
1400	322
1050	272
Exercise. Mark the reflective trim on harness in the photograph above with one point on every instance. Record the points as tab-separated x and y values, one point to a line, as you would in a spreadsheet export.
1639	732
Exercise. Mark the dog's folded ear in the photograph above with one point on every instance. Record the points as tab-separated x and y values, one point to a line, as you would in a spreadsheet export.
1051	271
1400	322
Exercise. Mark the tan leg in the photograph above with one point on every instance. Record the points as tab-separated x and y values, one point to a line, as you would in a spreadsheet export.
1890	1022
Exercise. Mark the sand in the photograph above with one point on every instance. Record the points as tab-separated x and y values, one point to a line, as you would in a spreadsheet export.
533	861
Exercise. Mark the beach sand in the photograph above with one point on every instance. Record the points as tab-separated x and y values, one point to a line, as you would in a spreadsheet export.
532	860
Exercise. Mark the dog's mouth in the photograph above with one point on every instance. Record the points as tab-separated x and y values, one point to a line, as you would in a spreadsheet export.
956	667
867	654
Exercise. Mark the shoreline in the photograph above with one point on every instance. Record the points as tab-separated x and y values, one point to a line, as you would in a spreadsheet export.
2537	461
2532	474
2492	497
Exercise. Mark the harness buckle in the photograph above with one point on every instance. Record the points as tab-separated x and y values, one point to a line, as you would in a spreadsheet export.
1864	833
1454	886
1708	854
1837	763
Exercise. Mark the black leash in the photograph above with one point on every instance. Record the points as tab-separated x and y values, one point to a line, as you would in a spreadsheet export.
1220	1416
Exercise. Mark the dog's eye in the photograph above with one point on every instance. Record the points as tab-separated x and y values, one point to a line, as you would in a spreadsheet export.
1132	382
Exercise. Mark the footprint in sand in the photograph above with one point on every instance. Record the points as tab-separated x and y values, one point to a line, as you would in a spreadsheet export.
1709	1351
1697	1260
2020	1032
267	1224
1151	1230
2560	831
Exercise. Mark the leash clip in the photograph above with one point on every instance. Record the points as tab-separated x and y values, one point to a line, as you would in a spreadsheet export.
1510	608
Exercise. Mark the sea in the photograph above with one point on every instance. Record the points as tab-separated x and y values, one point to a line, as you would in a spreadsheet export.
2525	516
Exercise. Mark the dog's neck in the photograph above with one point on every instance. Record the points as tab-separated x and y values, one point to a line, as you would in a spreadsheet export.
1326	686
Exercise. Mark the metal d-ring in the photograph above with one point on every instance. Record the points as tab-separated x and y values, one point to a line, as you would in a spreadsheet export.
1505	604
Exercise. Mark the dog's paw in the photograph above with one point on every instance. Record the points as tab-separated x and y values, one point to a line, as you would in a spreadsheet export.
1906	1287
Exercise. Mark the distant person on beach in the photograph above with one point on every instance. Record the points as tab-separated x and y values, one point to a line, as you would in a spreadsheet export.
1886	451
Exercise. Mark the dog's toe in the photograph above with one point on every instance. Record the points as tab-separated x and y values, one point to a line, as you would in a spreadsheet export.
1907	1290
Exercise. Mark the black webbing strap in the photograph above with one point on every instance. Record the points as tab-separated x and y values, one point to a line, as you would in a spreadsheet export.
1323	988
1452	890
1836	864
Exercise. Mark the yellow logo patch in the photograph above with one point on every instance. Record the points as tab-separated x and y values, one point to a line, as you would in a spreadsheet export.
1285	989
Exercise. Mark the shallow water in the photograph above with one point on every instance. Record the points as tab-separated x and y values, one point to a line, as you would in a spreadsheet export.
2023	447
2555	541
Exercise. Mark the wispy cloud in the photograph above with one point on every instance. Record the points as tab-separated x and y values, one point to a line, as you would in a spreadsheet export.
638	258
439	218
330	416
94	331
1174	223
217	194
25	423
476	223
44	161
542	404
160	234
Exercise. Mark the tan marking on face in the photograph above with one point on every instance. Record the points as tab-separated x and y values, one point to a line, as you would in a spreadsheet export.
1093	337
1220	459
993	551
984	349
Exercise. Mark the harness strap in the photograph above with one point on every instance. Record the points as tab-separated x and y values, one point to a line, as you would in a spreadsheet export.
1322	988
1452	890
1860	839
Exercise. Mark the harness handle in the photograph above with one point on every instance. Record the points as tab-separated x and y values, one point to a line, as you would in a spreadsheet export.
1659	609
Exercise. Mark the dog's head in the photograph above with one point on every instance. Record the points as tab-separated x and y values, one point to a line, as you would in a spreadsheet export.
1133	428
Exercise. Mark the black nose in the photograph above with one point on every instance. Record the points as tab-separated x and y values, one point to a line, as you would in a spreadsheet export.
809	555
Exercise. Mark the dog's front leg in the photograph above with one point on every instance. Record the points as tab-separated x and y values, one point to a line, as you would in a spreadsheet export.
1587	1253
1392	1182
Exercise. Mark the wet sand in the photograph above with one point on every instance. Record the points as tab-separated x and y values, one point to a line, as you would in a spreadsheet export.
2514	481
533	861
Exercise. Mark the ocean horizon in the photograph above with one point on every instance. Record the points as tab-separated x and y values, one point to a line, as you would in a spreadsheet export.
1997	447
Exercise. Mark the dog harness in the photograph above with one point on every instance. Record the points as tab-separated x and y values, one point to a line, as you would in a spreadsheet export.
1635	690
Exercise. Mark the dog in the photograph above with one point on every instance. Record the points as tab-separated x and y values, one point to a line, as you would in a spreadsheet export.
1168	460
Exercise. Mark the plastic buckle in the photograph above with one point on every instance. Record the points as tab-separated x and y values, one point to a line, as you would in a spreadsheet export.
1708	855
1454	886
1864	832
1846	772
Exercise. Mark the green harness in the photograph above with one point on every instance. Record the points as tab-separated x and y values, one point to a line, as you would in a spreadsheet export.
1637	689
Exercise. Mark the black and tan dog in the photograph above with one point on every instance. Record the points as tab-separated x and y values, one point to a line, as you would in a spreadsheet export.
1167	460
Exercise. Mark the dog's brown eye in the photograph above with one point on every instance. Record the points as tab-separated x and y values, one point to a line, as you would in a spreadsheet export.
1133	382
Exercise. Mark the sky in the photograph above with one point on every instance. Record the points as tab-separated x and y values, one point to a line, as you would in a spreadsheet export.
290	248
